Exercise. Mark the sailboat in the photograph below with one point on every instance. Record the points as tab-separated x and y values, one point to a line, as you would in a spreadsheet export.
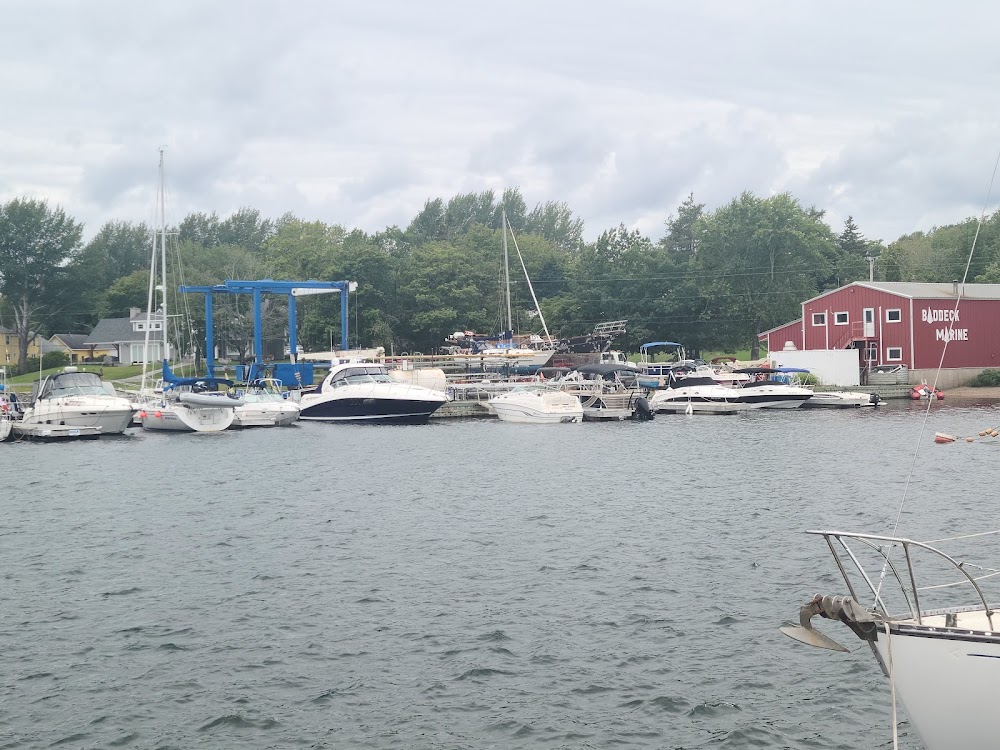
180	404
924	610
503	351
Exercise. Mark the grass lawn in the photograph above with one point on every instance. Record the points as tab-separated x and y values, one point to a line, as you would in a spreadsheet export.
110	374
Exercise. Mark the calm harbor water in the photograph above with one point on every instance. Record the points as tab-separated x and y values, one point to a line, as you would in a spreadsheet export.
459	584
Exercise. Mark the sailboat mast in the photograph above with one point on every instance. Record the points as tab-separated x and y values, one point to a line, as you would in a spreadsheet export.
506	275
163	258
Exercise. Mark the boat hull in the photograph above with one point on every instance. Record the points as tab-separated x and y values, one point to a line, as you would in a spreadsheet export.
181	418
362	409
523	414
946	680
265	415
840	400
111	419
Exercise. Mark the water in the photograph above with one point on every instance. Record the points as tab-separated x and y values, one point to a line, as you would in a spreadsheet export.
460	584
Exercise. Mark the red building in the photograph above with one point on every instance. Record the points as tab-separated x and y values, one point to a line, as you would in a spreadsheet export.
902	323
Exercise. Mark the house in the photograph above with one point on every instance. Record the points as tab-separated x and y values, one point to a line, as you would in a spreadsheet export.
125	338
9	353
74	347
903	323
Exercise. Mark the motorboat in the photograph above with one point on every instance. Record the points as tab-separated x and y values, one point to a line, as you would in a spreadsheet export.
74	399
365	392
769	388
264	405
699	395
940	660
841	400
537	404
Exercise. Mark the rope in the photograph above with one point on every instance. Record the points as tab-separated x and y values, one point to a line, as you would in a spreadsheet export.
937	375
892	686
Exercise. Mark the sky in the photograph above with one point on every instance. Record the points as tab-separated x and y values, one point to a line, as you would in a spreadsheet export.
358	113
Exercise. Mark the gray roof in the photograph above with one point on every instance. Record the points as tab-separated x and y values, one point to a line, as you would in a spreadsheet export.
72	340
920	290
119	331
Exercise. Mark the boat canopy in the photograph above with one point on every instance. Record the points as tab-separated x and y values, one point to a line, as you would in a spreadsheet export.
768	370
173	380
651	344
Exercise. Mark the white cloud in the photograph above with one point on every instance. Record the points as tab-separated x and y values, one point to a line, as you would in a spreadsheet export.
358	113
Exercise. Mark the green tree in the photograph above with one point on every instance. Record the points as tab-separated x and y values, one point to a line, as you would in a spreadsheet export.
761	258
36	243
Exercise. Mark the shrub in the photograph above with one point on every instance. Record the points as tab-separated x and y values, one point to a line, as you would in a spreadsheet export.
986	379
49	360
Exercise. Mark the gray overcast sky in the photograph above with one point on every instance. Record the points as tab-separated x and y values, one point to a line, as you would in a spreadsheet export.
357	113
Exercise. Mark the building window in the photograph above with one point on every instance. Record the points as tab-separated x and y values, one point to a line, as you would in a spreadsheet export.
840	318
894	354
893	316
872	352
8	340
819	319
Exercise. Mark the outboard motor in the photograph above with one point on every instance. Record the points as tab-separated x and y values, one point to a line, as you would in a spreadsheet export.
642	411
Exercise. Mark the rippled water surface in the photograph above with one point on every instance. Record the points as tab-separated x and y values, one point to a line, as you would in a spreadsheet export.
459	584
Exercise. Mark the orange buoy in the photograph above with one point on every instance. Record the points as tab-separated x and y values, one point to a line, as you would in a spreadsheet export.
142	414
157	414
969	440
940	437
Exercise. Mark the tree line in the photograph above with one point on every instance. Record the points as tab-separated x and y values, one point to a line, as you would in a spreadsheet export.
713	280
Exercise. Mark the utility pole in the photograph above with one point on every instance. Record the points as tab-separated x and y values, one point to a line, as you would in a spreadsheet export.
871	267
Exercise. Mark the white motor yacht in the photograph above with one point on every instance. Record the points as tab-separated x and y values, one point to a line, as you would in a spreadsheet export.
364	392
537	404
763	391
74	398
698	394
264	405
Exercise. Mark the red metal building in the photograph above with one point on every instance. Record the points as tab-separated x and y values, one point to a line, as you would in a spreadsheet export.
903	323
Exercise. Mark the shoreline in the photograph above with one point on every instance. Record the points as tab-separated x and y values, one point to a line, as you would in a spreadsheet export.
992	393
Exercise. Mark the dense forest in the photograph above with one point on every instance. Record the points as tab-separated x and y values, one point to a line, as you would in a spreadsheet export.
713	280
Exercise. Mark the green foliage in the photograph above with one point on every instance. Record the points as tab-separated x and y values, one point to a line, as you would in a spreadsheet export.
986	379
49	360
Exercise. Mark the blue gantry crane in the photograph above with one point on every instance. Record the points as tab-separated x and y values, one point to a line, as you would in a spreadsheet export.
294	290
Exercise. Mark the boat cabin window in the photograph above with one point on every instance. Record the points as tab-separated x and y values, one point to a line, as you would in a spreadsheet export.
894	354
840	318
893	316
360	374
819	319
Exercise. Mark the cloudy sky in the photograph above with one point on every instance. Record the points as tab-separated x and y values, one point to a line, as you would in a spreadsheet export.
357	113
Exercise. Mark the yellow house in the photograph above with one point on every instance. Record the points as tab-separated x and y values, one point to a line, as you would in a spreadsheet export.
9	356
73	345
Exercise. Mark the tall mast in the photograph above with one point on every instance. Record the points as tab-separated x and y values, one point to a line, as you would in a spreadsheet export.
506	276
163	258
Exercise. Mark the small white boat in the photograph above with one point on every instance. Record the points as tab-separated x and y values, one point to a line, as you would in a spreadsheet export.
264	405
841	400
764	391
537	404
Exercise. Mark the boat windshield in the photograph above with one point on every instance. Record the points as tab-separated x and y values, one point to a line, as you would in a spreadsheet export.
360	375
76	384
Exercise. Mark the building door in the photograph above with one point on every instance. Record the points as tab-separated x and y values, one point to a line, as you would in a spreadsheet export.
869	318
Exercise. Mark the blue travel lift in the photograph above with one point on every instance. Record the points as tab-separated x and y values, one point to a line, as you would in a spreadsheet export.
295	372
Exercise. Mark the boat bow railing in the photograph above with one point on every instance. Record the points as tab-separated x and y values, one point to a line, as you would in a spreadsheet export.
840	544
